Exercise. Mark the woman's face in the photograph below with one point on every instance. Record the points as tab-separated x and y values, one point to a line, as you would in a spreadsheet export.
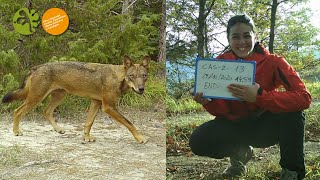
241	39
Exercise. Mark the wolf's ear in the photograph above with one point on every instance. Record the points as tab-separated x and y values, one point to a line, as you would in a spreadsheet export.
127	62
145	62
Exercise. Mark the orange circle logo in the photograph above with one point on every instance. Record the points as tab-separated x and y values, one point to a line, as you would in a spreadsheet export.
55	21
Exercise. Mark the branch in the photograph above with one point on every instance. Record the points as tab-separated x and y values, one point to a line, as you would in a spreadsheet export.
282	1
267	4
218	41
87	10
209	9
129	6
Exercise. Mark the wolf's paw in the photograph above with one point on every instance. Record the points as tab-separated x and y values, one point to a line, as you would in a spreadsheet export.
17	132
88	138
140	139
60	130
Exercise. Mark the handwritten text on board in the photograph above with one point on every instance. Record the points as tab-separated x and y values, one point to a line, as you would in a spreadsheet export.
213	76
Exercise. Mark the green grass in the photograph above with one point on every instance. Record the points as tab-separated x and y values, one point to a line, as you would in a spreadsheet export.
182	106
179	129
313	166
266	168
269	168
313	117
155	92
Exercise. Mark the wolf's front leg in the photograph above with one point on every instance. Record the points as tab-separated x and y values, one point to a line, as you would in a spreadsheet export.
93	109
117	116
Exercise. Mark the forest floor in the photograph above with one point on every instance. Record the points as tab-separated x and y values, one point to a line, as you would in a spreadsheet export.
194	167
42	153
182	164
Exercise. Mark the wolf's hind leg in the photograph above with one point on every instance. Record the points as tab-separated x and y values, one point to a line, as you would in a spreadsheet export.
93	109
28	104
56	98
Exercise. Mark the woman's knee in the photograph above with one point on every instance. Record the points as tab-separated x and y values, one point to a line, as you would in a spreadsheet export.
197	143
292	120
206	140
210	149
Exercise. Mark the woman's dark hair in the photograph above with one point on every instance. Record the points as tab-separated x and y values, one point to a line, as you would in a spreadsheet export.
244	18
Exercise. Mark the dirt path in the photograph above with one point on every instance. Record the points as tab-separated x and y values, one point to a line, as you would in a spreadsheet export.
44	154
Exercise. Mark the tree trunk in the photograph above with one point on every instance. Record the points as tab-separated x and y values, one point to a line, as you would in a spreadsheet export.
206	39
201	27
127	9
273	24
162	41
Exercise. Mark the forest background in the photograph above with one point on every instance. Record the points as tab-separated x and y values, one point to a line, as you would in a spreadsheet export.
197	28
99	31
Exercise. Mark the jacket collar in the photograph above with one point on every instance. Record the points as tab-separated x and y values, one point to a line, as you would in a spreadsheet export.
253	57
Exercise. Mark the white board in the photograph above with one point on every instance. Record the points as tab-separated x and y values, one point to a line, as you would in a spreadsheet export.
212	76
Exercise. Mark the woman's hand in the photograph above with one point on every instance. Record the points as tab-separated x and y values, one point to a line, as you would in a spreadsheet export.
243	92
199	99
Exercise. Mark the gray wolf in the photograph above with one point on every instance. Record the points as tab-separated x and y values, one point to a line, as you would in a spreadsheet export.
102	83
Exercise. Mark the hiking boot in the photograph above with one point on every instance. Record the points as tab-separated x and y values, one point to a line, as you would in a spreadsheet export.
238	163
288	175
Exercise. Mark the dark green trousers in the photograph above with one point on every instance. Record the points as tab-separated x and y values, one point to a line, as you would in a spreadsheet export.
221	138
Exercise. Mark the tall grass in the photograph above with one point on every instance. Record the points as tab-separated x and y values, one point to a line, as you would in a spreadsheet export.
155	92
313	116
182	106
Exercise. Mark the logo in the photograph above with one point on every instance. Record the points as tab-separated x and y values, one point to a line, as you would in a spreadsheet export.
25	21
55	21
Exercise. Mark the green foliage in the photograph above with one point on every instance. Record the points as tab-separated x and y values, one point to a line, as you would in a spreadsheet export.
181	106
8	60
313	167
179	128
98	32
295	35
154	93
179	78
8	83
314	89
313	121
8	39
70	107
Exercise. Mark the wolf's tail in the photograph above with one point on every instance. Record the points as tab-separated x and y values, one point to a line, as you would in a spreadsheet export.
20	93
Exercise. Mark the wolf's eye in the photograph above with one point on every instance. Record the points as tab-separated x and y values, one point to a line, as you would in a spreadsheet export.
144	76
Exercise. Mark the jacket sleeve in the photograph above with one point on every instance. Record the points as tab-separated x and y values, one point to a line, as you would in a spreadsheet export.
295	98
217	107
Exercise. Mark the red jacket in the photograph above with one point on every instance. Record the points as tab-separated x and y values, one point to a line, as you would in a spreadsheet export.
271	72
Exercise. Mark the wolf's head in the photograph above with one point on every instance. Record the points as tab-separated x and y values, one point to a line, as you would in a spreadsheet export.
136	74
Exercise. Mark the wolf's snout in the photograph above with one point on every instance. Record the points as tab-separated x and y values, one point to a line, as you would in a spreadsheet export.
141	90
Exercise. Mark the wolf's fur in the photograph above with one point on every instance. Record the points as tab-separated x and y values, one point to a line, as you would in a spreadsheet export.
102	83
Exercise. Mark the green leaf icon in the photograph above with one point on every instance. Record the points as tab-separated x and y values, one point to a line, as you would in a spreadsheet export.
25	21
